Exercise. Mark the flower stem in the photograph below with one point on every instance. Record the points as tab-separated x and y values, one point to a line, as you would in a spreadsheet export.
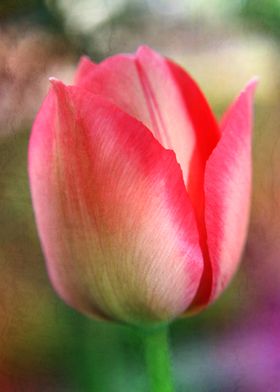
156	347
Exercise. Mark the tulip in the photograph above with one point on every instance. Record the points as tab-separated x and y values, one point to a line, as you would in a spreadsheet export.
141	198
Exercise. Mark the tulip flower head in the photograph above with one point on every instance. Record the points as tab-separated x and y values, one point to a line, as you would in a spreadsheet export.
141	198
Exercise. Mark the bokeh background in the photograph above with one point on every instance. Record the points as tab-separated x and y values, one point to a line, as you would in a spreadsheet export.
46	346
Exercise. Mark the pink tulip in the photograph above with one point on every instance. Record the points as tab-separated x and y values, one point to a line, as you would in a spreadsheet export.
141	199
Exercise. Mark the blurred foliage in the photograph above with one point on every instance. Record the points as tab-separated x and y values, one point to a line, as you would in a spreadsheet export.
32	12
28	308
12	7
262	14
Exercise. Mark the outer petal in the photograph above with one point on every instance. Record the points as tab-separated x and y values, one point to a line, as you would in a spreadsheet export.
116	225
228	191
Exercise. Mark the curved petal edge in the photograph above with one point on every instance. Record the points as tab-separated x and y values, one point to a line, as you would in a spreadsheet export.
228	178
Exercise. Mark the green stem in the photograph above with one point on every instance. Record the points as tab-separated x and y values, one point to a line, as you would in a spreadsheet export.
157	358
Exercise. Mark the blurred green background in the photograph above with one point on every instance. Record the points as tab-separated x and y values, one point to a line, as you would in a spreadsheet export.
46	346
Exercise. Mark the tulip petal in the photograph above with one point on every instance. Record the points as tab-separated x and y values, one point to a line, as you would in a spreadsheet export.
162	95
117	227
190	124
84	69
227	191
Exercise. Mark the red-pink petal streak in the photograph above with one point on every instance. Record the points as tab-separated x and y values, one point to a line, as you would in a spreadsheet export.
207	135
158	125
227	191
115	221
